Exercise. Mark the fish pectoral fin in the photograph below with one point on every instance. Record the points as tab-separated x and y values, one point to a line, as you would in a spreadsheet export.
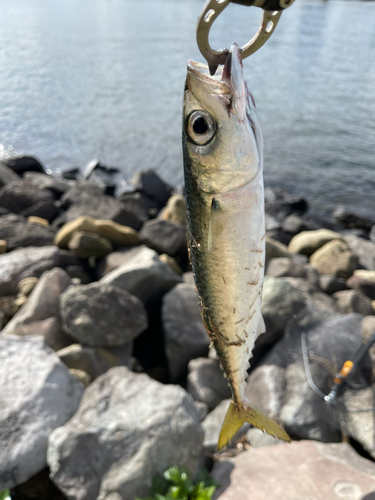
215	226
235	417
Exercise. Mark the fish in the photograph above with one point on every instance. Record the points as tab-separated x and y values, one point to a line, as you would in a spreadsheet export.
223	169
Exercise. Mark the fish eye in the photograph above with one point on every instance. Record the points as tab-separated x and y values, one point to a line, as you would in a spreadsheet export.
201	127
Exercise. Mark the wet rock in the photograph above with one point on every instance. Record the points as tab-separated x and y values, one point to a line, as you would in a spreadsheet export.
57	186
20	195
266	388
144	276
40	314
331	284
308	242
279	203
46	209
149	183
124	457
37	395
212	426
283	266
358	217
73	173
17	232
102	314
300	470
95	360
363	249
361	285
175	211
275	249
85	245
22	163
102	175
280	302
184	333
206	382
164	236
117	234
351	301
334	258
7	175
31	261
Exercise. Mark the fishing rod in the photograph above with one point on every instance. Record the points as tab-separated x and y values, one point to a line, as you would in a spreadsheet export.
342	379
211	11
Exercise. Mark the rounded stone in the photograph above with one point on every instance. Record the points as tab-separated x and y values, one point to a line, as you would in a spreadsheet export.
334	258
102	314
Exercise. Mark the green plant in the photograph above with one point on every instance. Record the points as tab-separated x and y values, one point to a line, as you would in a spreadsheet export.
176	484
5	495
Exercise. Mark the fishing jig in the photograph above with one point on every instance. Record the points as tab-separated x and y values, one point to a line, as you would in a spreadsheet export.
213	8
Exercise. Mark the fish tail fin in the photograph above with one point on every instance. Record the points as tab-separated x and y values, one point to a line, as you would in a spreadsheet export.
235	417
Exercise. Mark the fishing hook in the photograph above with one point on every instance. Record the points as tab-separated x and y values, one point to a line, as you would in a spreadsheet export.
213	8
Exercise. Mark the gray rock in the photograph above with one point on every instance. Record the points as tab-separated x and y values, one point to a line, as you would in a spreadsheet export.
37	395
20	195
149	183
140	206
360	425
283	266
19	233
300	470
372	234
271	223
86	198
335	258
101	314
188	278
7	175
32	261
57	186
22	163
116	259
294	224
45	209
202	410
362	285
351	301
85	245
358	217
308	242
164	236
212	426
363	249
143	275
258	439
40	314
280	302
206	382
128	428
275	249
311	293
266	388
368	327
185	336
95	360
331	284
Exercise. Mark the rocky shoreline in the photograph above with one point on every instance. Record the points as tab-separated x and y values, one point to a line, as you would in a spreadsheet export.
106	371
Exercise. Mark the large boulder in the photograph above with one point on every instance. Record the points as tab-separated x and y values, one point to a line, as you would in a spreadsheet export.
17	232
184	333
7	175
334	258
40	313
164	236
144	276
206	382
363	249
283	266
57	186
280	302
37	395
300	470
128	428
20	195
358	217
101	314
140	206
116	258
31	261
85	245
212	426
307	242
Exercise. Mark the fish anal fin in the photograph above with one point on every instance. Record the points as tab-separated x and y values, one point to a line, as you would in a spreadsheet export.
235	417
